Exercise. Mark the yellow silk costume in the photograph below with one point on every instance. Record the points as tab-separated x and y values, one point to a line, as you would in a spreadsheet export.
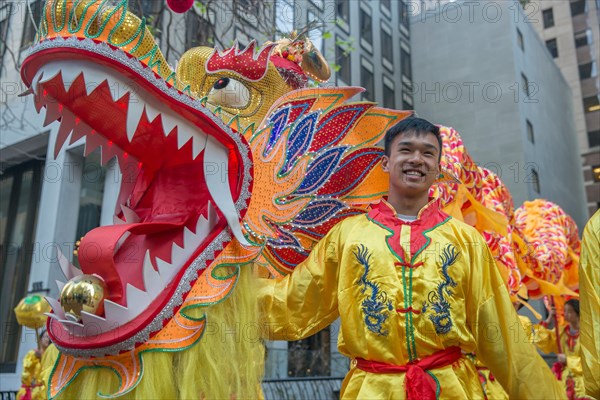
492	388
406	290
589	292
570	346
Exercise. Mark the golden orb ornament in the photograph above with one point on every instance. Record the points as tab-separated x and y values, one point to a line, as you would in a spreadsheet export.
84	293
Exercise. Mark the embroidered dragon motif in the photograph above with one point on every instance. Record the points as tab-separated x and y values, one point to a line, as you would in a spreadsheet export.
376	306
437	298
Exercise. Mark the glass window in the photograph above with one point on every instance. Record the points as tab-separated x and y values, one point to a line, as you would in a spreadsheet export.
387	4
315	34
343	9
578	7
5	11
593	138
387	47
525	84
535	181
520	40
318	3
284	10
530	134
366	28
548	17
20	191
583	38
29	29
310	356
407	90
591	104
368	82
552	47
405	63
587	70
90	197
343	61
404	17
389	97
6	182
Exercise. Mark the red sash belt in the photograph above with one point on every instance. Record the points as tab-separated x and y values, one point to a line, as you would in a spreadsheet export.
418	383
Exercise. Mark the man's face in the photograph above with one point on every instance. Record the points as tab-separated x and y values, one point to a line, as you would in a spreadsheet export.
413	163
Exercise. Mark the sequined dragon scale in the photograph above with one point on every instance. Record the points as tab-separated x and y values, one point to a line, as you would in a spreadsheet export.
225	166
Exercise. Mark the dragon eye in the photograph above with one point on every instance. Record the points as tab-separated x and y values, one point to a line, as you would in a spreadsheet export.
227	92
221	83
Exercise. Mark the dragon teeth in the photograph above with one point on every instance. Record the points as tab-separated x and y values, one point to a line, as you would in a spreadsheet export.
56	308
70	73
165	269
50	70
137	299
52	112
168	123
93	76
99	323
69	270
130	216
151	112
138	103
134	114
215	165
213	218
118	314
67	124
60	285
153	282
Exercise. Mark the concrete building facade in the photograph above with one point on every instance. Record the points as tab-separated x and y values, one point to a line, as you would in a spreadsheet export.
571	33
482	69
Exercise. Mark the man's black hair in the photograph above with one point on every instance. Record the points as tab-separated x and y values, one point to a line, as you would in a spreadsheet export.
414	125
574	303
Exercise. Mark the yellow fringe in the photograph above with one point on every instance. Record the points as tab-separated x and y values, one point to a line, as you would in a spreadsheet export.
227	363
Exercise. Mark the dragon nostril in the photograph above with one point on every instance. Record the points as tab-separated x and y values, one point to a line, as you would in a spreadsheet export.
221	83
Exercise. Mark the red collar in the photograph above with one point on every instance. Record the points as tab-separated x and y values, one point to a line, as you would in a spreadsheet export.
428	216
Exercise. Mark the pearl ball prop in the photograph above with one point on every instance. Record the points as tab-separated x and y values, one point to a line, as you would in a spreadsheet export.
84	293
180	6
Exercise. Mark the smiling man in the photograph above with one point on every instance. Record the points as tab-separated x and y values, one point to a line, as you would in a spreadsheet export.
415	289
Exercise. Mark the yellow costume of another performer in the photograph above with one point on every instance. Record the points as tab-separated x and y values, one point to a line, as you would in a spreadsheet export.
589	292
404	291
32	385
570	346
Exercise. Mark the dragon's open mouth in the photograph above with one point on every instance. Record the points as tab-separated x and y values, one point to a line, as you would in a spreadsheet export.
185	178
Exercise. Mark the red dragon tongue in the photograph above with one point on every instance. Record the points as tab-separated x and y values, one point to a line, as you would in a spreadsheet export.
97	254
